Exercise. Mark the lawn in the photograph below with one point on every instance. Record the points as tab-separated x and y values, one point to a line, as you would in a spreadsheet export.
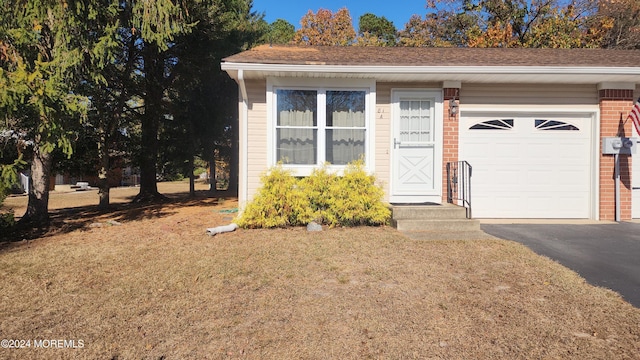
157	287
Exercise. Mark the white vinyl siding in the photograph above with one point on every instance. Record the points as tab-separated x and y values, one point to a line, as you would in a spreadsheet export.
383	137
525	95
256	136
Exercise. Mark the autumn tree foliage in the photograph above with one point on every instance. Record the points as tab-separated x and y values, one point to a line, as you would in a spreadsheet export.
621	20
325	28
503	23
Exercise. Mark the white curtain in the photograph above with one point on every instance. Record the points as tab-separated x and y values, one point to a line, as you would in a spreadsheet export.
415	121
297	145
346	145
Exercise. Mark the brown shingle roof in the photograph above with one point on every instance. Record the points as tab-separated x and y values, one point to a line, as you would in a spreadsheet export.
405	56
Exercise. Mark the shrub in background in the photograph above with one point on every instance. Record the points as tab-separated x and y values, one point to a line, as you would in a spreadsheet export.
4	191
348	200
7	177
7	219
279	203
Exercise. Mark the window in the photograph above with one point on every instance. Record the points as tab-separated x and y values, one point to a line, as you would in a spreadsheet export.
503	124
345	126
297	126
317	126
415	121
554	125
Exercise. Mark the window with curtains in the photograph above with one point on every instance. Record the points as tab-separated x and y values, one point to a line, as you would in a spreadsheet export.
317	126
297	126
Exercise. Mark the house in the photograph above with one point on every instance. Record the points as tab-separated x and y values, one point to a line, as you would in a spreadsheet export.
529	121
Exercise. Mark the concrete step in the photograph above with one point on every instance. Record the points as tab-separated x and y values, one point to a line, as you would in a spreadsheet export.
429	212
440	225
449	235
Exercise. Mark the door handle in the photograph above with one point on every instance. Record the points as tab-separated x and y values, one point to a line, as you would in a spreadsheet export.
396	143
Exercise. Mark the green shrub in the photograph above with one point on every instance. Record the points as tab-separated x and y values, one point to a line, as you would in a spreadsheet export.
279	203
348	200
199	171
3	193
8	176
7	219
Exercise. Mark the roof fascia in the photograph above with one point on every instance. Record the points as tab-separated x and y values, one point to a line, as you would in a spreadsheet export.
375	69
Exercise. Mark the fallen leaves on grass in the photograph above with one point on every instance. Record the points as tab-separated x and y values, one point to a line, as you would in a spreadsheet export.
161	288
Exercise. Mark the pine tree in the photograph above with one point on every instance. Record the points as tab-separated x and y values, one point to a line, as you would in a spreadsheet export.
46	51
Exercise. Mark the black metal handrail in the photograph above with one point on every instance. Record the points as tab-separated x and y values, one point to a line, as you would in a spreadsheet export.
459	184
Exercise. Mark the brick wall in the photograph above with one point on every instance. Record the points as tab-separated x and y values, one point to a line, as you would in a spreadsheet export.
450	137
614	108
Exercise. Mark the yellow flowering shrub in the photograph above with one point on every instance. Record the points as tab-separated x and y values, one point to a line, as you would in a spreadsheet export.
348	200
279	203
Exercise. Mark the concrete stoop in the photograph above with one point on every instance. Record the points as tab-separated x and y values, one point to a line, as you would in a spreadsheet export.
435	218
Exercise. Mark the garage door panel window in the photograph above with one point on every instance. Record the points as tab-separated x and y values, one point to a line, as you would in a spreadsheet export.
555	125
501	124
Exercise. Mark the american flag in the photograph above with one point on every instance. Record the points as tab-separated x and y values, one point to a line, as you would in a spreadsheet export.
635	115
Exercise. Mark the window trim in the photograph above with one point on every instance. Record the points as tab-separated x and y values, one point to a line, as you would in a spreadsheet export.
321	86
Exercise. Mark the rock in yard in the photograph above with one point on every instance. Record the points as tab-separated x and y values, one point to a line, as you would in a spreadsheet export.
314	226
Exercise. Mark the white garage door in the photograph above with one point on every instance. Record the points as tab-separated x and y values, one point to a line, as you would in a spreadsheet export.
528	166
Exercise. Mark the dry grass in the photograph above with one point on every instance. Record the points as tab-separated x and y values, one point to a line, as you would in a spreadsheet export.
158	287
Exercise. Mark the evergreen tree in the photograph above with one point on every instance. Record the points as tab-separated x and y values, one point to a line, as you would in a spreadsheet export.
279	32
376	31
47	50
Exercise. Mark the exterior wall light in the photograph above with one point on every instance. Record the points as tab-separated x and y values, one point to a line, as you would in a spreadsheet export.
453	107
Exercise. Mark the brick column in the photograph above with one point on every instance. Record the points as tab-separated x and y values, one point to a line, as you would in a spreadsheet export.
615	105
450	136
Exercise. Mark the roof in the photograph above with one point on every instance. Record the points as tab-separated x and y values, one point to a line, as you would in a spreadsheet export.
423	56
439	64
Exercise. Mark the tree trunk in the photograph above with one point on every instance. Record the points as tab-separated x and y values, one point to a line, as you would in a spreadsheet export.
154	72
38	206
148	170
191	163
213	183
103	181
192	178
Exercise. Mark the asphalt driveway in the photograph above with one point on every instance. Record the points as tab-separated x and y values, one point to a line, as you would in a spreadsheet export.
606	255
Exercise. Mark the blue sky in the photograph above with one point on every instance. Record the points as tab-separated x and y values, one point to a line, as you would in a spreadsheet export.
293	11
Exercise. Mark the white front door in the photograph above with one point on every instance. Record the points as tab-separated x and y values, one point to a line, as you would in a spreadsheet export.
416	147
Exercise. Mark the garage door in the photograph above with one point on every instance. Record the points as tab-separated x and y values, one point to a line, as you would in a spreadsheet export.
528	166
